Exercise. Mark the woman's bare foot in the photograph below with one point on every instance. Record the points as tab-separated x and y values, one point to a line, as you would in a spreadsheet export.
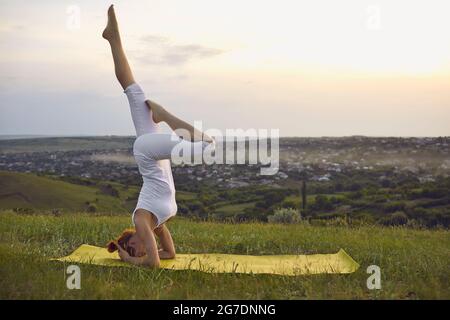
111	31
158	112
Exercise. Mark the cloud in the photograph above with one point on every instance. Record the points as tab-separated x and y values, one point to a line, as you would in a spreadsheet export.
161	51
183	53
153	39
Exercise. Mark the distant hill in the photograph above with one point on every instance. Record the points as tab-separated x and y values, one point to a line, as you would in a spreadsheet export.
51	144
20	190
21	136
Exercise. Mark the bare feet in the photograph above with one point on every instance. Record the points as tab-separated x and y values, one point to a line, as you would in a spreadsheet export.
160	114
111	31
157	111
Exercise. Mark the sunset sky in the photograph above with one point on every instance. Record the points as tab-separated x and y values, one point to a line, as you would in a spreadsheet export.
308	68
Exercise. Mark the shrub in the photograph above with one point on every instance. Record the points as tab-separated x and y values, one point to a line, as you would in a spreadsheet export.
434	193
290	204
322	202
415	224
397	218
394	206
92	208
197	208
355	195
24	210
109	190
285	215
337	222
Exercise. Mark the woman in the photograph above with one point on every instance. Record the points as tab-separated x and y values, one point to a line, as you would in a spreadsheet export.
152	151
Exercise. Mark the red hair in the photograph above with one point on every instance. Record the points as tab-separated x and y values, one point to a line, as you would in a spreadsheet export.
122	241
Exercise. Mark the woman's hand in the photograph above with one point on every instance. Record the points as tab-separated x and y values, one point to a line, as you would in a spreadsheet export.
123	254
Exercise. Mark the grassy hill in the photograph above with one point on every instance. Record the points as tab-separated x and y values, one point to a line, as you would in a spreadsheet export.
19	190
24	190
414	263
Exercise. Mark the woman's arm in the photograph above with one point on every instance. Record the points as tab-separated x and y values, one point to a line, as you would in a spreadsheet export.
144	227
167	250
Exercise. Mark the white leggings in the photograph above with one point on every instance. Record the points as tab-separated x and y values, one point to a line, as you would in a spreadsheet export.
140	113
157	146
152	151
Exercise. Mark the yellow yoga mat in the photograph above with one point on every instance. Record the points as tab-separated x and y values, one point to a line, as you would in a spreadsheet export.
339	262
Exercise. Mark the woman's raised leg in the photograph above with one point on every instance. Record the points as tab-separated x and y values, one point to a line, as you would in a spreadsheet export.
142	116
176	124
121	66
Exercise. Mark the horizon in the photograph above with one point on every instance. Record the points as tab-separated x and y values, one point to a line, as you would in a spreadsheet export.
36	136
321	69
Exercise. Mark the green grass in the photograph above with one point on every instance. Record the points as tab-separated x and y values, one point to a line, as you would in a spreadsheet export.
311	198
414	263
24	190
19	190
231	209
185	195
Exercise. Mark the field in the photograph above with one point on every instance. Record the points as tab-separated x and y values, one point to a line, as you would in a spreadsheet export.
414	263
30	191
384	181
58	193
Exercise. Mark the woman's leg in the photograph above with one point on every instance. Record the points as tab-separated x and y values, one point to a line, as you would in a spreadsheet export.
142	116
160	146
125	77
121	66
176	124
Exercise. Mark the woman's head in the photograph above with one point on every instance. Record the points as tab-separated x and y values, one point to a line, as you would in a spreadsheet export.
129	241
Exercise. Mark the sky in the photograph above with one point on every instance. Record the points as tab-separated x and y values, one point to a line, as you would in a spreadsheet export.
307	68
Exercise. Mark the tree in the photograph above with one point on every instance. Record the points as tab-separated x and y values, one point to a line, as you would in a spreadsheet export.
322	203
304	195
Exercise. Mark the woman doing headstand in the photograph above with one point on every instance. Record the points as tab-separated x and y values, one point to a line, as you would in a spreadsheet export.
152	151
